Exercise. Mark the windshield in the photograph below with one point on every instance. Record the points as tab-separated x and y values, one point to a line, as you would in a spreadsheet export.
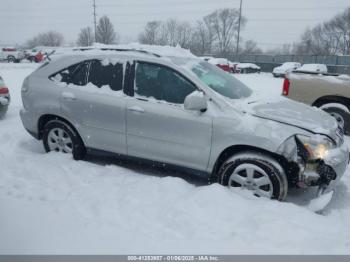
220	81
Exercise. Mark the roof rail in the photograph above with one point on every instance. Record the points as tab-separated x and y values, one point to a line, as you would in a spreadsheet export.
116	49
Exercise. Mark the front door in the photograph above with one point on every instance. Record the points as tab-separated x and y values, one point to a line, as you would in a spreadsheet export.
158	126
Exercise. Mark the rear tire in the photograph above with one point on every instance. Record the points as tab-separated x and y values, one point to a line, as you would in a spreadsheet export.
260	174
60	137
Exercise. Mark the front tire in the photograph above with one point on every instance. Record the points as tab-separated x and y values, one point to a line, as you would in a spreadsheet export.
255	172
11	59
60	137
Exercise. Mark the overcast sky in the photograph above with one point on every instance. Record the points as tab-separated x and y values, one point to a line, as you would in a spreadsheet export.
270	22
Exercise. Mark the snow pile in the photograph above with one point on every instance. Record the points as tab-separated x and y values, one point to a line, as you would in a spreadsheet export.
51	204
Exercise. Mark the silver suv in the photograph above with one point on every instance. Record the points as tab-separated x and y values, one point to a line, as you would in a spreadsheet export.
181	112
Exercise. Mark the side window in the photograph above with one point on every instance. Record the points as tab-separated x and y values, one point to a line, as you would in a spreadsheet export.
161	83
75	74
103	73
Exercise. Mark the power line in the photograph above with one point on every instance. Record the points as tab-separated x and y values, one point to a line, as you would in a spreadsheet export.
95	21
239	28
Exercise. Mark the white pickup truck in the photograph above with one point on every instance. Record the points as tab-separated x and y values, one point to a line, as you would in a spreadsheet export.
329	92
11	55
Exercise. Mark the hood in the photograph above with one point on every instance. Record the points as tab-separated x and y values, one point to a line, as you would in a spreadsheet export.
296	114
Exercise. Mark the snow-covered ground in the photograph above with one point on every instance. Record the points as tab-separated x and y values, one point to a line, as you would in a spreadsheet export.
51	204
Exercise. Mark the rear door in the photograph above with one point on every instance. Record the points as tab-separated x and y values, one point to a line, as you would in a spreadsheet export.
93	98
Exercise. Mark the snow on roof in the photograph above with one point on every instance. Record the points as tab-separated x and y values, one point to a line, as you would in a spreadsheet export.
97	48
167	51
218	61
313	68
288	65
248	65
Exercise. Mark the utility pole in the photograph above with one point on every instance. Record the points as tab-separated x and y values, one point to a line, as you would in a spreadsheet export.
95	21
239	29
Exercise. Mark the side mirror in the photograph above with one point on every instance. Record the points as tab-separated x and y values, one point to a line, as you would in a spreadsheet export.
196	101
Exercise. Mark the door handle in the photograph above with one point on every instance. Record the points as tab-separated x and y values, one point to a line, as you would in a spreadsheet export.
68	96
136	109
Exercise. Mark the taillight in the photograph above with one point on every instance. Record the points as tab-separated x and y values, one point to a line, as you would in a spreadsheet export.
286	85
4	90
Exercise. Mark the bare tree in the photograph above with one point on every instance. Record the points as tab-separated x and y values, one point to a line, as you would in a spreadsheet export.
224	23
202	39
105	33
151	33
86	37
171	32
213	34
329	38
184	32
50	38
250	47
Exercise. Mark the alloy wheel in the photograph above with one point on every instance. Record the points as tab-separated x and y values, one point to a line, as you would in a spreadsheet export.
253	178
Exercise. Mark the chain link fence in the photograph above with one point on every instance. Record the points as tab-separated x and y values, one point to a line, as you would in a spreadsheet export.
335	64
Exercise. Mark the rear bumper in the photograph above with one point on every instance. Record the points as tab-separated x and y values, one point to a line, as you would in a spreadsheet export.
29	122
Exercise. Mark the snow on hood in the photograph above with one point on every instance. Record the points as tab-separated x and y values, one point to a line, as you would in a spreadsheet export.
292	113
297	114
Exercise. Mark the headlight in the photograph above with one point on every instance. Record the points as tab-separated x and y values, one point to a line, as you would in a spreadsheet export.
317	146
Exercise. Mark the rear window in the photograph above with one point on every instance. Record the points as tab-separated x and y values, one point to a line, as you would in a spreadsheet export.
99	73
75	74
103	73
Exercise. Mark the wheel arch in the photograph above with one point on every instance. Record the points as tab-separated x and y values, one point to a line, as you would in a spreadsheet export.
235	149
44	119
332	99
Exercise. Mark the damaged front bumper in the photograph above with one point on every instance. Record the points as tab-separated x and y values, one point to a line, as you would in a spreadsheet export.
324	172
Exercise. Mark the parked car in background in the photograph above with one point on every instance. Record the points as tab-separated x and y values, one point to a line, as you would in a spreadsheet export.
4	98
184	112
222	63
313	68
282	70
247	68
233	67
328	92
11	55
39	53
